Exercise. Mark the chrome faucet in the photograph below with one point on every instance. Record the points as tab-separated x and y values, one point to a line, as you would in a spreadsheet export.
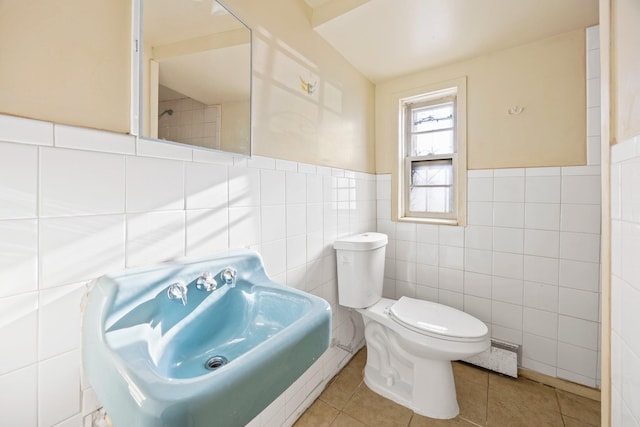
228	276
206	282
178	291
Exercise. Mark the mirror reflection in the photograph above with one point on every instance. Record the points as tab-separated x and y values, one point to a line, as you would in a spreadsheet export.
196	75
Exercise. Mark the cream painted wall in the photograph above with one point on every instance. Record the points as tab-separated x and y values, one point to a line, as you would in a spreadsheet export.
66	61
625	14
547	78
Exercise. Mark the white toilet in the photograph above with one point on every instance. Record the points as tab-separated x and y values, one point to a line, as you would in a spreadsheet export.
410	342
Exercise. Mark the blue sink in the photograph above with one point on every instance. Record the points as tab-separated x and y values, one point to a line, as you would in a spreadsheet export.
217	360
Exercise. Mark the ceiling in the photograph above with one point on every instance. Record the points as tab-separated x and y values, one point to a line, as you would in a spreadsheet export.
389	38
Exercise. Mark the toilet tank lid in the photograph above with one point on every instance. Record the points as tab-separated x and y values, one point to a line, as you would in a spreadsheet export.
361	242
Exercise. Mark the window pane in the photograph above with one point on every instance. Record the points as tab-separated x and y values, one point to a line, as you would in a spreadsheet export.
432	143
431	199
432	172
432	117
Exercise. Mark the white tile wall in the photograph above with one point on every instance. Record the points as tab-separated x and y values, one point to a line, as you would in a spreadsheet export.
69	214
625	284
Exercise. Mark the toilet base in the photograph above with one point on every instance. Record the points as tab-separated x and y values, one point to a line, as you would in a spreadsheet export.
433	393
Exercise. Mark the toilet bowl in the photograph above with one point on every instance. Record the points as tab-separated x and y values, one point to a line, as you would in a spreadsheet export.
410	342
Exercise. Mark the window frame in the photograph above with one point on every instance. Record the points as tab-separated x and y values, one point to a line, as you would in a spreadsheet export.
438	94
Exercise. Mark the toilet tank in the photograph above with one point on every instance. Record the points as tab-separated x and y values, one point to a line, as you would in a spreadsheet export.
360	261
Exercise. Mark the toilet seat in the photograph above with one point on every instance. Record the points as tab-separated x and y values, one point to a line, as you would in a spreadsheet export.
437	320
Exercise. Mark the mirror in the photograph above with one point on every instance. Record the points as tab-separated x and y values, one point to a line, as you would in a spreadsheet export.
195	67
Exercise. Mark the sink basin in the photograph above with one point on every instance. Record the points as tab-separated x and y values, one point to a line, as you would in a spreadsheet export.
217	360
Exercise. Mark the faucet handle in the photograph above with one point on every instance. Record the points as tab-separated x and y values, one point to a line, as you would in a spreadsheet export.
178	290
206	282
228	276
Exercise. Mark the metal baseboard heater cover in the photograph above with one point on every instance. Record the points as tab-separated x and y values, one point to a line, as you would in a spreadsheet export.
501	357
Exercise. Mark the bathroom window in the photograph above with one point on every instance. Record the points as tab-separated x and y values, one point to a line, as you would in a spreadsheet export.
433	175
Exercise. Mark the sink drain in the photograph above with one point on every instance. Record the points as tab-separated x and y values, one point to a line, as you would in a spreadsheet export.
215	362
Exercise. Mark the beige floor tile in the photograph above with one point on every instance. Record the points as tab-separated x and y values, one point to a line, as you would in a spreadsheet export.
465	372
374	410
344	420
579	408
420	421
572	422
472	400
521	402
318	415
342	388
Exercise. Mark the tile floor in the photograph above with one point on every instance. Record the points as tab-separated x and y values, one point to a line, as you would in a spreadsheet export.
485	399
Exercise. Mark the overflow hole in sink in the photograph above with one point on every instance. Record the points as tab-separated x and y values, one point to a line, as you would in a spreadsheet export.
215	362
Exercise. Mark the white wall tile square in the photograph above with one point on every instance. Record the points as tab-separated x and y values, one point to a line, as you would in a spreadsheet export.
478	237
406	271
274	223
508	214
480	213
296	187
244	227
452	299
541	269
426	275
542	189
581	189
406	251
207	231
451	236
478	307
580	218
580	246
206	186
478	261
539	348
19	260
247	185
507	290
580	304
449	257
296	251
508	240
18	180
26	131
18	326
91	139
539	322
155	237
542	216
19	404
73	249
576	359
580	275
480	189
451	279
508	189
501	333
274	257
506	315
630	316
541	296
76	182
507	265
578	332
542	243
406	231
296	220
58	388
59	320
154	184
477	284
427	233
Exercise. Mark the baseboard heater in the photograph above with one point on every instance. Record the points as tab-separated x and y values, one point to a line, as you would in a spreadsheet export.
501	357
